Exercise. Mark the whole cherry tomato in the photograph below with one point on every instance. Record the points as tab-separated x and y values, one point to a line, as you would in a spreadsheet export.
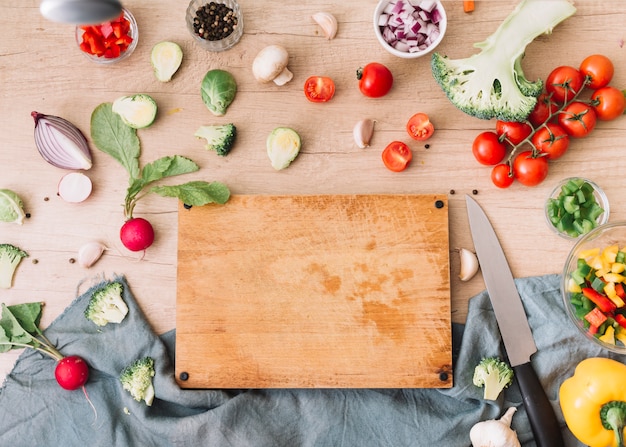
564	82
501	175
551	140
578	119
608	103
397	156
529	170
319	88
375	80
488	149
544	108
515	132
419	127
598	69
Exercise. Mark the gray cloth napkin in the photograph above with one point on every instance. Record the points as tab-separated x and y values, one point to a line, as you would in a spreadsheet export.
35	411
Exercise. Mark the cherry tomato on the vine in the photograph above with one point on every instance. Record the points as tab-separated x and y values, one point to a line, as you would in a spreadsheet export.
319	88
564	82
419	127
515	132
543	109
501	175
599	69
551	140
488	149
578	119
529	170
375	80
396	156
608	103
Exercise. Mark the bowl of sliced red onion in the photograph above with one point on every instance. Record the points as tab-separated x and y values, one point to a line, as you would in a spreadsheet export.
409	28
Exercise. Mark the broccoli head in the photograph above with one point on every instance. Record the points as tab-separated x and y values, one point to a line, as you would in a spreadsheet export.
220	138
107	305
491	83
10	257
494	375
137	377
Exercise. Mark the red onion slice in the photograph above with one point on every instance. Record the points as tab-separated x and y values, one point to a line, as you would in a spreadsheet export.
61	143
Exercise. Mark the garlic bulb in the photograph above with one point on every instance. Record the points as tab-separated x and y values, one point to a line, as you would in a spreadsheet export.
327	22
469	264
495	432
362	132
89	253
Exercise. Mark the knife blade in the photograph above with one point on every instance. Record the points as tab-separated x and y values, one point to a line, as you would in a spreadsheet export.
514	328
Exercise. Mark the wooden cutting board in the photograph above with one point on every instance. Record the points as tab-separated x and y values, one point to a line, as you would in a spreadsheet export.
319	291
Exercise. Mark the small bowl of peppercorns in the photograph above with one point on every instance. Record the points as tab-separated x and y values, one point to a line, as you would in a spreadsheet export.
215	25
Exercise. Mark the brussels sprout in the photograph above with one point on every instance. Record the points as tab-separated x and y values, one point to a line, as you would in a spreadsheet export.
11	207
218	91
283	146
137	111
166	58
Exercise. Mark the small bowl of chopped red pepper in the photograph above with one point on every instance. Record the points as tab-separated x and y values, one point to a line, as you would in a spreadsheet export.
215	25
594	286
410	28
111	41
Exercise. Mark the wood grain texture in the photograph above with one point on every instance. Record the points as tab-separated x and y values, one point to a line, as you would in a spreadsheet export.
314	291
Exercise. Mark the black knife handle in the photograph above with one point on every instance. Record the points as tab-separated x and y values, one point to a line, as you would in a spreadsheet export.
543	422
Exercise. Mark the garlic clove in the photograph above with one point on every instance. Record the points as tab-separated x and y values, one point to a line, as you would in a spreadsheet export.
327	22
469	264
362	132
89	253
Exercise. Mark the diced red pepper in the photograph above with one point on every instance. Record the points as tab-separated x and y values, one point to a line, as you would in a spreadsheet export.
109	39
595	317
619	290
621	320
605	304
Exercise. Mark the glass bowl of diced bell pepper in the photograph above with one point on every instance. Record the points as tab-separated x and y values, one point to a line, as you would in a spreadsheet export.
575	207
111	41
594	286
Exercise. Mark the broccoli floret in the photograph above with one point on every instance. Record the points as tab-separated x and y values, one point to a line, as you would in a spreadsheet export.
107	305
137	377
10	257
491	83
494	375
220	138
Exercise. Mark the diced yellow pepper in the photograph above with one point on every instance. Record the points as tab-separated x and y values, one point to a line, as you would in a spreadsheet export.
617	267
609	336
610	253
601	272
617	300
596	262
614	277
591	252
572	286
609	289
620	334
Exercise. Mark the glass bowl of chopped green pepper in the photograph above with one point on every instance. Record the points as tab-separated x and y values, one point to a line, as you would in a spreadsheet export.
593	286
575	207
215	25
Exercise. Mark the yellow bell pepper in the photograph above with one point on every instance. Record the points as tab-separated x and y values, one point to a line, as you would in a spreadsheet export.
593	402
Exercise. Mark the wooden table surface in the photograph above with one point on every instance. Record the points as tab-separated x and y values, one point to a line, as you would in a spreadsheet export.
41	69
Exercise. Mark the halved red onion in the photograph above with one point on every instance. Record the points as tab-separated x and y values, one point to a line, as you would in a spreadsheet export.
410	25
61	143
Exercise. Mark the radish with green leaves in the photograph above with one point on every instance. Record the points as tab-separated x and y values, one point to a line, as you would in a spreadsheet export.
112	136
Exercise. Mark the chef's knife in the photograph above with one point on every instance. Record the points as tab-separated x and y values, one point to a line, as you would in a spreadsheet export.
513	325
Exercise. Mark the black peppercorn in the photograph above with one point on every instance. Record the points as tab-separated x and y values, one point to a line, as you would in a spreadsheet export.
214	21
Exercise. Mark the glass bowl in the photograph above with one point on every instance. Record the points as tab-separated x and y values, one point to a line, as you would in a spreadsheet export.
133	33
381	10
593	255
569	211
215	40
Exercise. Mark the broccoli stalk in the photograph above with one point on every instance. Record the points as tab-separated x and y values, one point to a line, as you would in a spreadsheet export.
106	305
137	377
10	257
220	138
491	83
494	375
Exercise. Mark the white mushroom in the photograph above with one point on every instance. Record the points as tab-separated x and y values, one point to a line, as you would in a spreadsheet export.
271	65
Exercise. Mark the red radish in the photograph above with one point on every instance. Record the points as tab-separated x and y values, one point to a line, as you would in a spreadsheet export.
74	187
71	372
137	234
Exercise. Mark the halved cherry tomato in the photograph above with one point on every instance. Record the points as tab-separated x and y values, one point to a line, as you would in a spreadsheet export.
564	82
578	119
319	89
515	132
488	149
419	127
599	69
544	108
551	140
375	80
608	102
501	175
530	170
396	156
